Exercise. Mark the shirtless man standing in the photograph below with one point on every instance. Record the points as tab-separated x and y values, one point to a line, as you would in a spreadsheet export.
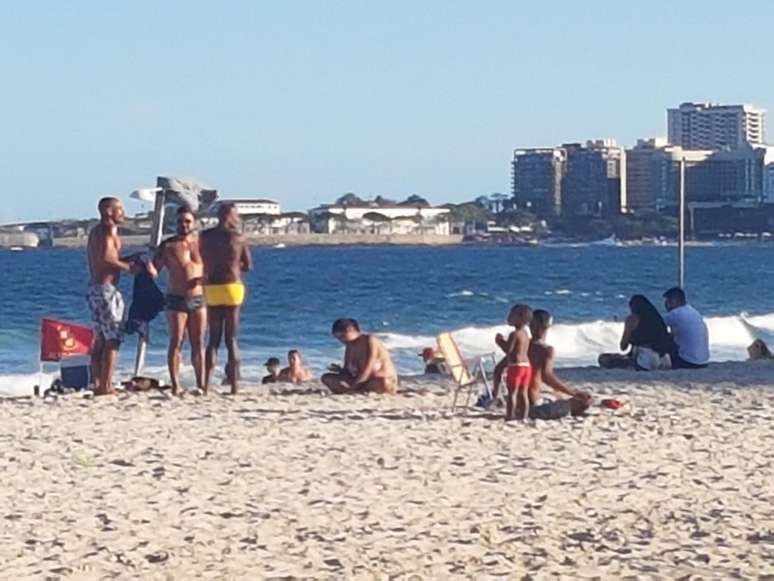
105	301
185	301
367	363
541	358
226	256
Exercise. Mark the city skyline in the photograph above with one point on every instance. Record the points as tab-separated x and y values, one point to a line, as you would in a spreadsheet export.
302	102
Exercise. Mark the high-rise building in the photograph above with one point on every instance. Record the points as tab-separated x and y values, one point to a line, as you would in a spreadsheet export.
537	179
653	173
594	181
712	126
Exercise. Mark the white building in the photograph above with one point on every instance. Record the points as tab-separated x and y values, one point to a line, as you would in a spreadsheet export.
712	126
250	206
380	219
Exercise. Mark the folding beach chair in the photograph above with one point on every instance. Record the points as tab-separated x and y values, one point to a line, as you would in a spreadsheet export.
459	370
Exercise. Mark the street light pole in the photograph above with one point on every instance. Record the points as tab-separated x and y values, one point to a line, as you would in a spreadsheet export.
681	228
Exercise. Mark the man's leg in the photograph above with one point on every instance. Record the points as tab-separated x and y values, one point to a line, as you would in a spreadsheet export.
108	366
337	382
177	322
197	321
96	361
215	323
231	318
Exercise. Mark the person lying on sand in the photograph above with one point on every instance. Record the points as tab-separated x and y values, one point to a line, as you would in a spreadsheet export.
367	363
541	358
295	372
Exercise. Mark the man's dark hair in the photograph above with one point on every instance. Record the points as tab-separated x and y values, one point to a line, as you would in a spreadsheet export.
185	209
675	294
105	203
343	325
541	317
224	208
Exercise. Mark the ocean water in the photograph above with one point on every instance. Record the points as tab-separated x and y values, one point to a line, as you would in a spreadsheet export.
406	295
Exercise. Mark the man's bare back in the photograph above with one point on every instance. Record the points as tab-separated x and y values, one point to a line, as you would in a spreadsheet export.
225	255
360	352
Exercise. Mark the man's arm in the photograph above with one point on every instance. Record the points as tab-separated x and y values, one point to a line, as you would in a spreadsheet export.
158	263
550	378
501	342
367	369
629	326
246	260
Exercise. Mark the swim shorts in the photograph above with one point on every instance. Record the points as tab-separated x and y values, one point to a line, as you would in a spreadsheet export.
107	311
181	304
518	377
231	294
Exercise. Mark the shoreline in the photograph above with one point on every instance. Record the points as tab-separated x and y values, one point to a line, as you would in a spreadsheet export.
292	483
400	240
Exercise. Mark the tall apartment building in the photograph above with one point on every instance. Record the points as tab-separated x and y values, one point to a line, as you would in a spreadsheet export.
653	173
745	174
577	179
594	181
712	126
537	179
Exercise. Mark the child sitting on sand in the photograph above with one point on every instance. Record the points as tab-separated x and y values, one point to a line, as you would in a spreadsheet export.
518	373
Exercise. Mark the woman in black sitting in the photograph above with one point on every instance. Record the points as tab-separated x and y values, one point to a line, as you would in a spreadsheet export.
647	335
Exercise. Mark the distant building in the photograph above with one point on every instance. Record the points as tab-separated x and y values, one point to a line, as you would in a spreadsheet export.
250	206
739	175
653	173
380	219
712	126
536	179
594	181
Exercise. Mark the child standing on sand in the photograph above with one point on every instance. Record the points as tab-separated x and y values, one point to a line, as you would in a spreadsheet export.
518	373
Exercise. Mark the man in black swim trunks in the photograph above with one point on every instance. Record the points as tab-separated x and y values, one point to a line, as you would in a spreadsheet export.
185	301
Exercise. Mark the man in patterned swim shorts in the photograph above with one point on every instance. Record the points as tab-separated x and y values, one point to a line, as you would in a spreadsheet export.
105	301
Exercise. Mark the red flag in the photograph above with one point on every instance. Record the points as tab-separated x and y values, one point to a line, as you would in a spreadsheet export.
59	339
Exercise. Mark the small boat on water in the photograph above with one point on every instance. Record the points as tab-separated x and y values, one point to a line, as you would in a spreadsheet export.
280	245
16	249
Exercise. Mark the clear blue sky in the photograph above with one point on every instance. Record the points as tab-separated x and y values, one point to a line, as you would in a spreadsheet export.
303	101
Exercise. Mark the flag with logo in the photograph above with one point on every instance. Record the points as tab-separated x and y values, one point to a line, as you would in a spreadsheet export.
59	339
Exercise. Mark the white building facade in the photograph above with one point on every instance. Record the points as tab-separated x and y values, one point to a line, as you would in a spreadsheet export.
374	219
712	126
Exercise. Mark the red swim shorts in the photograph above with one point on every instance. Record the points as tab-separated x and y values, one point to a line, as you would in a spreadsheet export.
518	377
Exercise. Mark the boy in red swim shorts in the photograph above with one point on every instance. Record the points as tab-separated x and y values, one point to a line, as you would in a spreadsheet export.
519	372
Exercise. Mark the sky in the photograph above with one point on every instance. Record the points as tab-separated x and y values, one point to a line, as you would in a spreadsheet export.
302	101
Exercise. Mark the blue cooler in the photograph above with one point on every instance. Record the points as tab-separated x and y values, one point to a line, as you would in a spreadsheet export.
75	372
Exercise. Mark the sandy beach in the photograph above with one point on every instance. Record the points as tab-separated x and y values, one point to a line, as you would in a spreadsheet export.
678	483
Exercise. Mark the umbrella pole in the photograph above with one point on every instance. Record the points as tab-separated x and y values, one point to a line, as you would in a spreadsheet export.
157	230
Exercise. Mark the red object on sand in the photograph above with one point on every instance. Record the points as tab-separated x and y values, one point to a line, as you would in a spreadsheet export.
59	339
612	404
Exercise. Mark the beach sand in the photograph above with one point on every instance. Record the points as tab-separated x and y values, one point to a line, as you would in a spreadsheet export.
679	483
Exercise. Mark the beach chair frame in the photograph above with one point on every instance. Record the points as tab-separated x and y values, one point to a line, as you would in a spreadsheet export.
459	369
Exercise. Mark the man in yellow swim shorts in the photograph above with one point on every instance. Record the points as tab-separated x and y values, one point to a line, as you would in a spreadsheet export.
226	256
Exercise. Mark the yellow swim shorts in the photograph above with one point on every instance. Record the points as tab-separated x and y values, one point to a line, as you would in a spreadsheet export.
224	295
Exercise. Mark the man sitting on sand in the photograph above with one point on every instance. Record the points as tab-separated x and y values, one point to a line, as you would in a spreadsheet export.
367	363
691	339
226	256
105	301
185	301
541	358
295	372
